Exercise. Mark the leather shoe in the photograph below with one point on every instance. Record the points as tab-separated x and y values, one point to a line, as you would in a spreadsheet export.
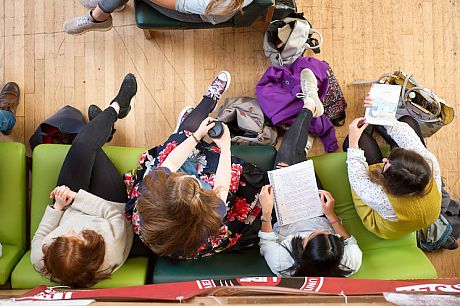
9	100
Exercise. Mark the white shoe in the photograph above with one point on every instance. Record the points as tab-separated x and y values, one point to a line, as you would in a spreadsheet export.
182	116
91	4
85	23
309	93
309	144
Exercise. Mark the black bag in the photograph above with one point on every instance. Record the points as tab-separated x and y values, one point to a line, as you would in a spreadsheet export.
284	8
62	127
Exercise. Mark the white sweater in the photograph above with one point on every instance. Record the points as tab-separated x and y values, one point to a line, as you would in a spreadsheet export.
87	212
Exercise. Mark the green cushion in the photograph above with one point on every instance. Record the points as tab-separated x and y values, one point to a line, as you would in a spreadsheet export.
11	254
149	18
132	273
261	156
12	206
47	162
225	265
382	259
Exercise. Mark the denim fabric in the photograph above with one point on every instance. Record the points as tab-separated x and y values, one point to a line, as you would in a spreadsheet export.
7	120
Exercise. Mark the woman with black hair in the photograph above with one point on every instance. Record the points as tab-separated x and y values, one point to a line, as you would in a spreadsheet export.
319	246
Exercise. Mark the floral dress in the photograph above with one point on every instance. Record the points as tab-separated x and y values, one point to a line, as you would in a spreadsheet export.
242	202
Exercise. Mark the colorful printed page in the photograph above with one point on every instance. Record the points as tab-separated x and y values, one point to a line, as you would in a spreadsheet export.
385	100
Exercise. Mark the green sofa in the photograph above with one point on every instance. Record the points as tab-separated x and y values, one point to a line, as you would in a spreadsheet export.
12	206
47	161
382	259
148	18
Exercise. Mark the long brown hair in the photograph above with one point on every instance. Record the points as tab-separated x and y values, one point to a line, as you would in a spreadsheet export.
409	174
176	213
213	5
75	262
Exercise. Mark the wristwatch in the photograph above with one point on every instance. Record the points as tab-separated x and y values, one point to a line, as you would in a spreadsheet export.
265	219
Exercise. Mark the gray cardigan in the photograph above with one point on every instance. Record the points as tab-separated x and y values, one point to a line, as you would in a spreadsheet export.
87	212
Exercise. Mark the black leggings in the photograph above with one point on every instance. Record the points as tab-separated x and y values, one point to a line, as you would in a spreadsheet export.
199	113
87	167
370	146
292	148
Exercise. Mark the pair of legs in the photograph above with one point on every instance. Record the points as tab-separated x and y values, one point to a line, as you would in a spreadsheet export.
87	167
370	146
106	7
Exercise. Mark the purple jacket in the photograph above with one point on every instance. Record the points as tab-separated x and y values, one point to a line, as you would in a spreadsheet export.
323	128
277	89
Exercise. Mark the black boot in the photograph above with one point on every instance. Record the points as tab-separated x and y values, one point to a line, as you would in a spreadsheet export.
127	91
93	112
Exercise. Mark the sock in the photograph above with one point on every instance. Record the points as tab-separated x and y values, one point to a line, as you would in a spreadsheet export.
94	20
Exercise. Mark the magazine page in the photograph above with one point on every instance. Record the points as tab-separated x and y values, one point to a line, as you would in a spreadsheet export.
385	100
296	193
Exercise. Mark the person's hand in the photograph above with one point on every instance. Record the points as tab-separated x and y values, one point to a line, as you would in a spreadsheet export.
63	197
267	199
224	141
367	102
355	130
204	127
327	203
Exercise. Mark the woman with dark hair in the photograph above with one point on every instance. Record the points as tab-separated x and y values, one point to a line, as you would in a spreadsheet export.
84	236
318	246
190	197
399	194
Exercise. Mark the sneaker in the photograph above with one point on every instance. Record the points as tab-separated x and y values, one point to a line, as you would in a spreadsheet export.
309	93
85	23
127	91
93	112
218	86
309	144
91	4
9	100
184	113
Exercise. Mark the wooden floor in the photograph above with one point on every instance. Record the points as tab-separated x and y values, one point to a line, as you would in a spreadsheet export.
363	39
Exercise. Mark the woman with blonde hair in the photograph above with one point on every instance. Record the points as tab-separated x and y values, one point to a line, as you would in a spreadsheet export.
99	17
190	197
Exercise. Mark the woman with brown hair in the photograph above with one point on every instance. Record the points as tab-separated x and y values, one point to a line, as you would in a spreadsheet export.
190	197
84	236
398	194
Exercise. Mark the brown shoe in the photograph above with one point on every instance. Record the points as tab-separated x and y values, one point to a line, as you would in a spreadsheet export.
9	100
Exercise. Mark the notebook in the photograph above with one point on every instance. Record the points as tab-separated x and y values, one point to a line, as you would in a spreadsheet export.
296	193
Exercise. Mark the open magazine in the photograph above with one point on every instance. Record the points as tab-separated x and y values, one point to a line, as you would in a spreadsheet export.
296	193
385	100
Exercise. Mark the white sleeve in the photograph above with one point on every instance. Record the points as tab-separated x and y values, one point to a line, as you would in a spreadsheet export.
192	6
274	253
370	193
50	221
352	255
406	138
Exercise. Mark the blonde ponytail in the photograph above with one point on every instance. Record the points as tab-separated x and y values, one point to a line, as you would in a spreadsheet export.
214	5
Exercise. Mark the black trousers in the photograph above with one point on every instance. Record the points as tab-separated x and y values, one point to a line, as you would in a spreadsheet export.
292	148
370	146
87	167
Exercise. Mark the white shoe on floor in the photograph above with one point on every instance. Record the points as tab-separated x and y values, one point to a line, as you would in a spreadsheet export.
309	94
82	24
